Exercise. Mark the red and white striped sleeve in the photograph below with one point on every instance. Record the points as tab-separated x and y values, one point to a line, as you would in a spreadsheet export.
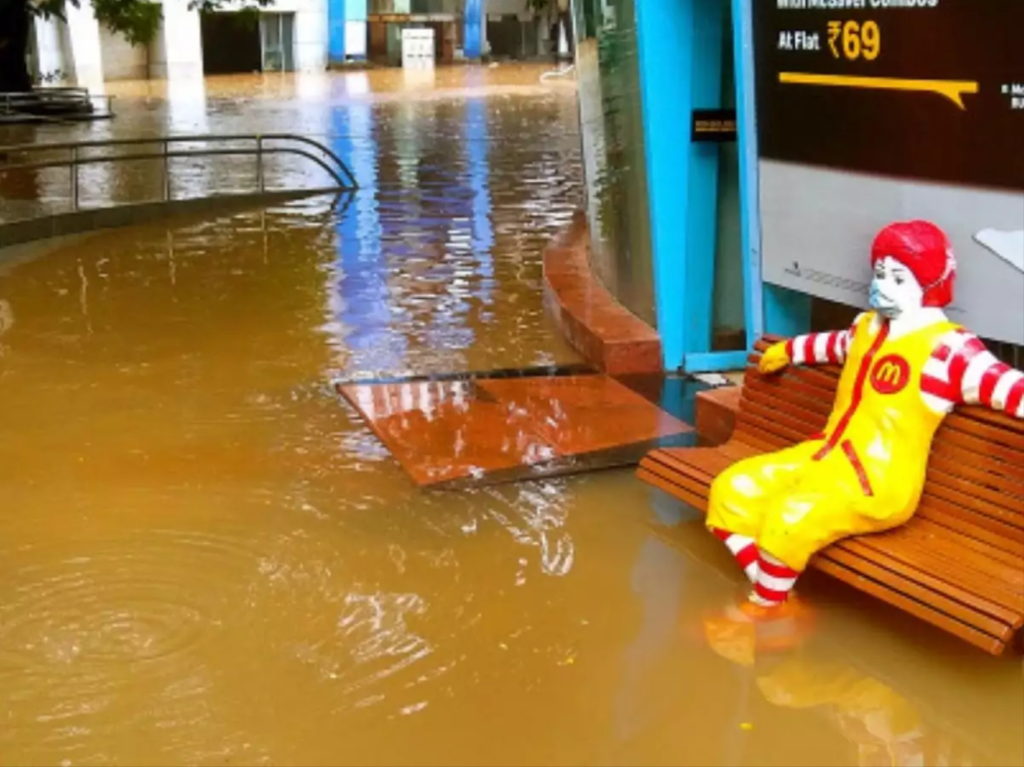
821	348
962	371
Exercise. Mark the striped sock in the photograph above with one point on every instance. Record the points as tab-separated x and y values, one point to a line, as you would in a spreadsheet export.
743	548
774	581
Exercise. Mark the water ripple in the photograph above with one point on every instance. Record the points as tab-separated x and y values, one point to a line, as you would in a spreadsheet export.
120	601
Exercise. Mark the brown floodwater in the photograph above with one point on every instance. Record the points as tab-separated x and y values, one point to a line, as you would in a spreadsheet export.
206	557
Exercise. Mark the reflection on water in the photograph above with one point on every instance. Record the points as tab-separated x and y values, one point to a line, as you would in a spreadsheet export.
208	558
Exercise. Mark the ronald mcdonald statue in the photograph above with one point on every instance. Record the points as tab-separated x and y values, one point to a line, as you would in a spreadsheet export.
905	366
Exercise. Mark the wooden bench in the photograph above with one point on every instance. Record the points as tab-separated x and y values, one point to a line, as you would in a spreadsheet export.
958	563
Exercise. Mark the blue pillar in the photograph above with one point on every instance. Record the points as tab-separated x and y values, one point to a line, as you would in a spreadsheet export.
680	52
336	30
769	309
786	312
473	37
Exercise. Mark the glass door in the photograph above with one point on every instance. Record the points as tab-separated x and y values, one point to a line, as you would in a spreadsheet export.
276	34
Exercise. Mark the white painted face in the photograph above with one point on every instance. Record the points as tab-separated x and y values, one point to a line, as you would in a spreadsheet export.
894	289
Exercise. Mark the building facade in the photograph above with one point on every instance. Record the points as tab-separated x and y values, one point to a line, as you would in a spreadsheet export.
288	35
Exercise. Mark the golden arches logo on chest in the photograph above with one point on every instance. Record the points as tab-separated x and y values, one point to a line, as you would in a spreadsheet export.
890	374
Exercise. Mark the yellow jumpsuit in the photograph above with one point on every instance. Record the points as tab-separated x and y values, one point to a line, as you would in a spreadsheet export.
864	474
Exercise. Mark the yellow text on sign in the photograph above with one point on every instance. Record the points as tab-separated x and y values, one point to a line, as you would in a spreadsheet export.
853	40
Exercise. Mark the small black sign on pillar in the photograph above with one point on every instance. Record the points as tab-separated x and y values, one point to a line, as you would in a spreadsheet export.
713	125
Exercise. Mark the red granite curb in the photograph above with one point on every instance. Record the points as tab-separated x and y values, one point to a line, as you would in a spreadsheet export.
606	333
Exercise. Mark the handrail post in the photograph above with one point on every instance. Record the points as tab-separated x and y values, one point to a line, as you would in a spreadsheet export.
167	173
74	178
259	163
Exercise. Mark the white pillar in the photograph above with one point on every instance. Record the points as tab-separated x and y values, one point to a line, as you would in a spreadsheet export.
355	39
310	35
51	57
177	52
84	41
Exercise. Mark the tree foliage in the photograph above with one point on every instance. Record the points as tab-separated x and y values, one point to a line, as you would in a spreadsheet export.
137	20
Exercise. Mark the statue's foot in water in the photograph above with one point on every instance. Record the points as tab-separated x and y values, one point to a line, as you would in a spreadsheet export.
742	631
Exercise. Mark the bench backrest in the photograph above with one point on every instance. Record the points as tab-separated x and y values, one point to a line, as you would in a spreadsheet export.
975	481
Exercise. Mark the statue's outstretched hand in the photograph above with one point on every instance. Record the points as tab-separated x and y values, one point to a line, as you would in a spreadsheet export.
774	359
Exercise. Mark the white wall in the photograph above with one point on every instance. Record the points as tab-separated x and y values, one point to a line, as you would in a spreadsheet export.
83	35
121	59
177	51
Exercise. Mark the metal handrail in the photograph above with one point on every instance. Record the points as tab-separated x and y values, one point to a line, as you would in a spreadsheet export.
335	166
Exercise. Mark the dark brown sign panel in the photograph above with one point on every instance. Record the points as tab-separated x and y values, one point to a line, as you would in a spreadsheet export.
922	89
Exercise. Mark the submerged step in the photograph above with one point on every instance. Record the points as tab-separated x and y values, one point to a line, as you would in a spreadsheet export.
483	429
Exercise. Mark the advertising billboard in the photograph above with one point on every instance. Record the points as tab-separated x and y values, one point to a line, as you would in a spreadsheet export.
871	111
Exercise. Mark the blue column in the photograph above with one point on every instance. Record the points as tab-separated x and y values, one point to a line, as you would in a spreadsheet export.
786	312
769	309
473	37
680	49
336	30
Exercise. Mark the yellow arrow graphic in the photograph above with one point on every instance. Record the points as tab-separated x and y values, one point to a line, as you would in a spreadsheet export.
953	90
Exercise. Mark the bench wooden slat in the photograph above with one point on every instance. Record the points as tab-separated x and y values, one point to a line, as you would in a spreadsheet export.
968	633
697	500
682	481
992	531
799	419
737	449
765	423
997	430
981	500
906	580
753	435
912	562
706	463
1011	490
1006	461
971	538
809	397
958	563
970	504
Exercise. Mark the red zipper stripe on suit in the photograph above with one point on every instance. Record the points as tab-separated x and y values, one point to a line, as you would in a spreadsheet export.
858	394
862	475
